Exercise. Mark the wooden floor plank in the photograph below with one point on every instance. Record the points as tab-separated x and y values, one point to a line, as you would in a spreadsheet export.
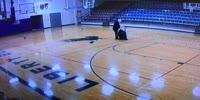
63	64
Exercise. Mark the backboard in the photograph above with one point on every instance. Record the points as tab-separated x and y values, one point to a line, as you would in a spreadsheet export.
88	3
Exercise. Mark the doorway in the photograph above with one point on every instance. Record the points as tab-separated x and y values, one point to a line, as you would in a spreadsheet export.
79	17
37	22
55	19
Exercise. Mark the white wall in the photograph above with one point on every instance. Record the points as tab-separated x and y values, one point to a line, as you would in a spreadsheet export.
68	16
68	13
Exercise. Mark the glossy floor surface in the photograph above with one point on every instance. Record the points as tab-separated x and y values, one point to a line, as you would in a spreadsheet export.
86	63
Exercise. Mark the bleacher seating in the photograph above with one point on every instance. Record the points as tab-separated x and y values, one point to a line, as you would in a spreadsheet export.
161	12
106	11
158	5
171	12
163	16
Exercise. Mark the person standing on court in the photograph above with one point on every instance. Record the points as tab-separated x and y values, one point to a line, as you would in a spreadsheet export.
116	27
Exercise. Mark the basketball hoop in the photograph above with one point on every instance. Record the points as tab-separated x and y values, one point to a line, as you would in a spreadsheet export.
88	4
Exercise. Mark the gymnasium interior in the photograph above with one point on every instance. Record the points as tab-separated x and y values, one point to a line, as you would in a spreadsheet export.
66	50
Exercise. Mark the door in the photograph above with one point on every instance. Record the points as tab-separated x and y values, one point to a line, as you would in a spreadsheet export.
37	22
55	19
79	17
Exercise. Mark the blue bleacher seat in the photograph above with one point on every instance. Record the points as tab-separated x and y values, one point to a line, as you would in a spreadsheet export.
164	12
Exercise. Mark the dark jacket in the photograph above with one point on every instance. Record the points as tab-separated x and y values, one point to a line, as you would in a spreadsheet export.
116	26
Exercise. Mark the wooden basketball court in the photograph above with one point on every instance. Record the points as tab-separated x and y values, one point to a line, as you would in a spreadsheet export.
86	63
